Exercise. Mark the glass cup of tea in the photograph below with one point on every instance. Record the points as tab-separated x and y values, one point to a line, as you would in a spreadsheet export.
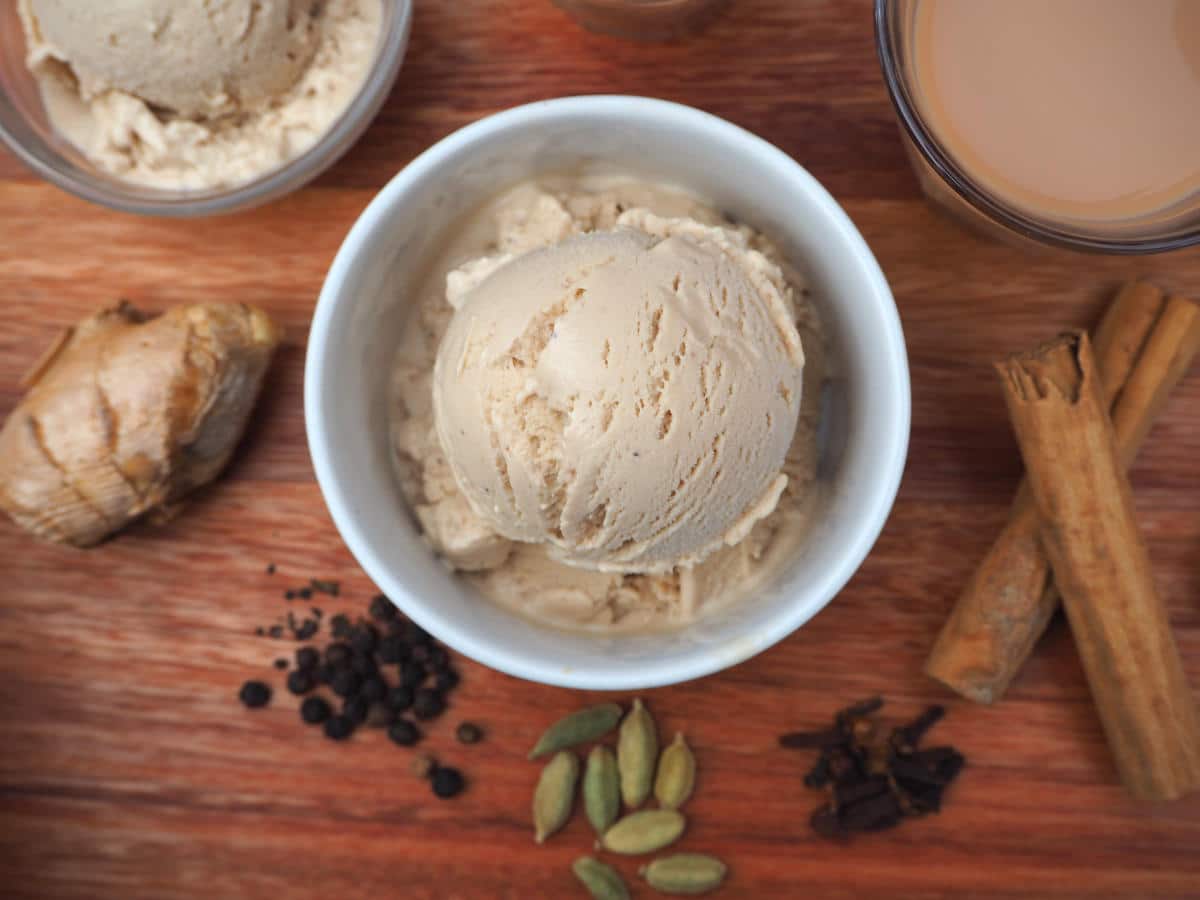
1074	123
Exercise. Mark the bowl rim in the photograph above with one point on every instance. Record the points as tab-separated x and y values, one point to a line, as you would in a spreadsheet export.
341	135
877	506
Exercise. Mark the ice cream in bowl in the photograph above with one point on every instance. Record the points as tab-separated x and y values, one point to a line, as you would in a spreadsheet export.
606	392
186	107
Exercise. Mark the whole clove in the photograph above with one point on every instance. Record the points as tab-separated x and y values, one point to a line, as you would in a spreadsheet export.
874	784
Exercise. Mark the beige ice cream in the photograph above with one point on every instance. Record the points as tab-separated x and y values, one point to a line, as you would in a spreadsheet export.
625	396
604	416
196	94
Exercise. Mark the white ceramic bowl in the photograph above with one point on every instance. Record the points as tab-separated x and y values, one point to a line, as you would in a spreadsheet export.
362	310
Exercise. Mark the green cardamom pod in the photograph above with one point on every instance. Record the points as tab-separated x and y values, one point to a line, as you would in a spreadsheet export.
637	753
601	788
602	880
684	873
676	774
555	794
644	832
582	725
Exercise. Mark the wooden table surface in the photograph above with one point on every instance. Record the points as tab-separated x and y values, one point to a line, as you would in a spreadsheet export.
127	767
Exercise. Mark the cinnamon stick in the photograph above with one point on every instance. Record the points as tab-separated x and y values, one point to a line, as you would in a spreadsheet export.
1077	479
1010	599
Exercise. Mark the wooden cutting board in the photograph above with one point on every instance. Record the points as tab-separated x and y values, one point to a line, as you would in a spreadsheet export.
127	767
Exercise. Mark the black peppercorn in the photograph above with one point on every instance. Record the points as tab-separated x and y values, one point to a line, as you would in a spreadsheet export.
447	680
346	682
415	634
364	638
325	674
255	694
469	733
382	609
340	626
300	681
400	698
404	733
447	782
337	654
357	709
315	710
438	657
428	704
281	663
374	689
364	664
421	653
338	728
392	649
411	675
307	658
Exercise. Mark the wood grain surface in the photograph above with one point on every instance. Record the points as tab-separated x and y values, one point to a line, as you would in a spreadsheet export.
127	767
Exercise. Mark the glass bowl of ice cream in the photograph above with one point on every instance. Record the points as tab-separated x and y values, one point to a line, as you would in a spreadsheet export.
170	108
607	392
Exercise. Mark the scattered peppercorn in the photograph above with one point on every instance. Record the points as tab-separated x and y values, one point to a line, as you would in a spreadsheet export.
340	626
315	710
400	698
374	688
338	728
357	709
382	609
364	638
415	634
270	568
337	654
332	588
447	782
428	704
352	666
254	694
392	649
346	682
300	681
404	733
307	658
411	675
469	733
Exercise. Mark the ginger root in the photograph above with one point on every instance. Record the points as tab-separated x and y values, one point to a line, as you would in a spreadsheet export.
127	413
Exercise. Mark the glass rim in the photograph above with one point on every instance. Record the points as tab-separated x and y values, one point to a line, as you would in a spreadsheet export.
958	181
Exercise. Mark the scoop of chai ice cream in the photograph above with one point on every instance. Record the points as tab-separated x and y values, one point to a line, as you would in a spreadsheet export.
193	58
627	397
